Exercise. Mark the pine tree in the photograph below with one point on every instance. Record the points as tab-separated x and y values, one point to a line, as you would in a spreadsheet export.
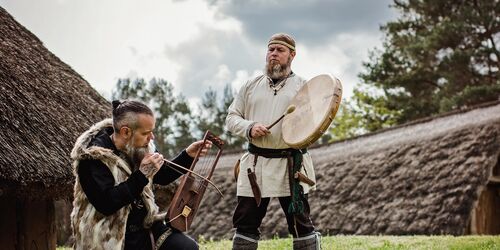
184	120
213	113
234	142
438	56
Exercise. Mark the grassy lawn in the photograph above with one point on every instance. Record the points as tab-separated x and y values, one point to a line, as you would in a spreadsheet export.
374	243
378	242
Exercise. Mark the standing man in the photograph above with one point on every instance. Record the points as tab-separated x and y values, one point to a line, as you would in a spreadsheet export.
269	162
115	165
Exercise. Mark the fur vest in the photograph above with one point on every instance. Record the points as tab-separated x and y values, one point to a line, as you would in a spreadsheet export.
91	229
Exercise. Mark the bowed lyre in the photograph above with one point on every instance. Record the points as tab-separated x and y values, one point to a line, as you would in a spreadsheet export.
189	193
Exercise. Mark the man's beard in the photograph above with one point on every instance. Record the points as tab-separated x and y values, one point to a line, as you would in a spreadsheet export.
135	154
278	71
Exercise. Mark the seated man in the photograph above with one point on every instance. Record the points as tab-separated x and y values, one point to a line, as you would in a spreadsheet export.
115	166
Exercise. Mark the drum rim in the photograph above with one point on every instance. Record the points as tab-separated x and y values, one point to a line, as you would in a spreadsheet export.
325	122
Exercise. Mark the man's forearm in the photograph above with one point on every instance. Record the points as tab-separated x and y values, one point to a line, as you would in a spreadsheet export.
169	172
99	186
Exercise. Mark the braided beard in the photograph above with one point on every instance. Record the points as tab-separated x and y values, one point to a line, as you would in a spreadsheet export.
276	70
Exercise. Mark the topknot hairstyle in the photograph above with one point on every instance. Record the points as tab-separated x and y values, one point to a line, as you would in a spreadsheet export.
125	113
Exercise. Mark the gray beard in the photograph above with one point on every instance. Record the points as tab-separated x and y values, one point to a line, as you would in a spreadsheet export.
277	71
135	155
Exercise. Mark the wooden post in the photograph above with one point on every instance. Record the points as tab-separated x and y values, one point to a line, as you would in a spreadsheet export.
27	224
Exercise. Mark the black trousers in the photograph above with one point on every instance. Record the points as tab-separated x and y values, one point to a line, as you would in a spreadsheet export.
248	217
177	240
141	240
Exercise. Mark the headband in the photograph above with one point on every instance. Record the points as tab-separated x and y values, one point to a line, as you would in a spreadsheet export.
282	43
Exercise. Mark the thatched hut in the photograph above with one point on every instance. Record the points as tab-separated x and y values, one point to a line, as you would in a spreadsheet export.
439	175
44	106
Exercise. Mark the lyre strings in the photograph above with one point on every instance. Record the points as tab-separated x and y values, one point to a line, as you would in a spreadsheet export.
203	167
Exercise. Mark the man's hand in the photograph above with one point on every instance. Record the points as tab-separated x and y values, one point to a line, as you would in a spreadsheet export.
151	164
259	130
194	147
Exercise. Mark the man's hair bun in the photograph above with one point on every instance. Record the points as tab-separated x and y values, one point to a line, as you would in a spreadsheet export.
116	103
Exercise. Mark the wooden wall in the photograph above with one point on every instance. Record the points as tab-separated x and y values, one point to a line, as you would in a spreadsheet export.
26	225
486	214
63	224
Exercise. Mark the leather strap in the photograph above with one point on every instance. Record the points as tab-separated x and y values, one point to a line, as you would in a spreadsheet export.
274	153
162	238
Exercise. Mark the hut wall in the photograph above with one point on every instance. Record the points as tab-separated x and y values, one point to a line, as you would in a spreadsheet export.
486	215
8	225
63	224
485	218
27	224
496	169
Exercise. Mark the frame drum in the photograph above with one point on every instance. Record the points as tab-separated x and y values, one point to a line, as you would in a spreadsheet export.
316	104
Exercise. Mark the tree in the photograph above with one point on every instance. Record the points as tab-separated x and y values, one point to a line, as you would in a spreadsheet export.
161	98
438	56
209	118
346	123
127	88
213	116
233	141
183	120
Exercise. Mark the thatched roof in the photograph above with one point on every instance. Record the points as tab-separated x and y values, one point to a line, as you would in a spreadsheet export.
44	106
421	178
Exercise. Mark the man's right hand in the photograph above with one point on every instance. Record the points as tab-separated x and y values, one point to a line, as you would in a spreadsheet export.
259	130
151	164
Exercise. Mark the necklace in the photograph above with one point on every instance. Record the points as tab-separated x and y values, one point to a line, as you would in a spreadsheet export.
276	87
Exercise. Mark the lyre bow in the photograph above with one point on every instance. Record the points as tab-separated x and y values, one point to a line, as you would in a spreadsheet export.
191	189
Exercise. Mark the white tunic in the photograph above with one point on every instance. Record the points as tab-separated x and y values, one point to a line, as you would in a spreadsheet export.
256	102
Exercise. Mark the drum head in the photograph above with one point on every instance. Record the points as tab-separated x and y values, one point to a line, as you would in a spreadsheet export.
316	104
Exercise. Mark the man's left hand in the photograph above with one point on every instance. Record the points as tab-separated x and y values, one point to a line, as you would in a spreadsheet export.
195	146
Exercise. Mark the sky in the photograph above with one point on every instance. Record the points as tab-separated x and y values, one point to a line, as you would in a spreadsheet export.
202	44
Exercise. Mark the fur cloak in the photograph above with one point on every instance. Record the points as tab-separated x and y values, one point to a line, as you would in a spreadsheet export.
92	229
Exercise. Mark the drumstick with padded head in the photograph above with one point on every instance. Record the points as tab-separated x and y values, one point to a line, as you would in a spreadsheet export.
289	110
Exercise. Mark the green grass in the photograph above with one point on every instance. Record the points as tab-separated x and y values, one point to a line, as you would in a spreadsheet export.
373	243
377	243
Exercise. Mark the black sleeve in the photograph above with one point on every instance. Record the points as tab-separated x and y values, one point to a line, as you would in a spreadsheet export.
99	185
169	173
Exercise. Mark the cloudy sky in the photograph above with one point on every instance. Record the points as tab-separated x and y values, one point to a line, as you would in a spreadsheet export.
197	44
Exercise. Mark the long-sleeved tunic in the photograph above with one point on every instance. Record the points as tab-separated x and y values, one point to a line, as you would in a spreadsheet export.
257	102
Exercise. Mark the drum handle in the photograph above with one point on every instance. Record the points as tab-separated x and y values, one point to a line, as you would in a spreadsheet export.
289	110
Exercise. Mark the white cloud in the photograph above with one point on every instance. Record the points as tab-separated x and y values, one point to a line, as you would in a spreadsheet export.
340	56
241	77
106	40
223	74
197	44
